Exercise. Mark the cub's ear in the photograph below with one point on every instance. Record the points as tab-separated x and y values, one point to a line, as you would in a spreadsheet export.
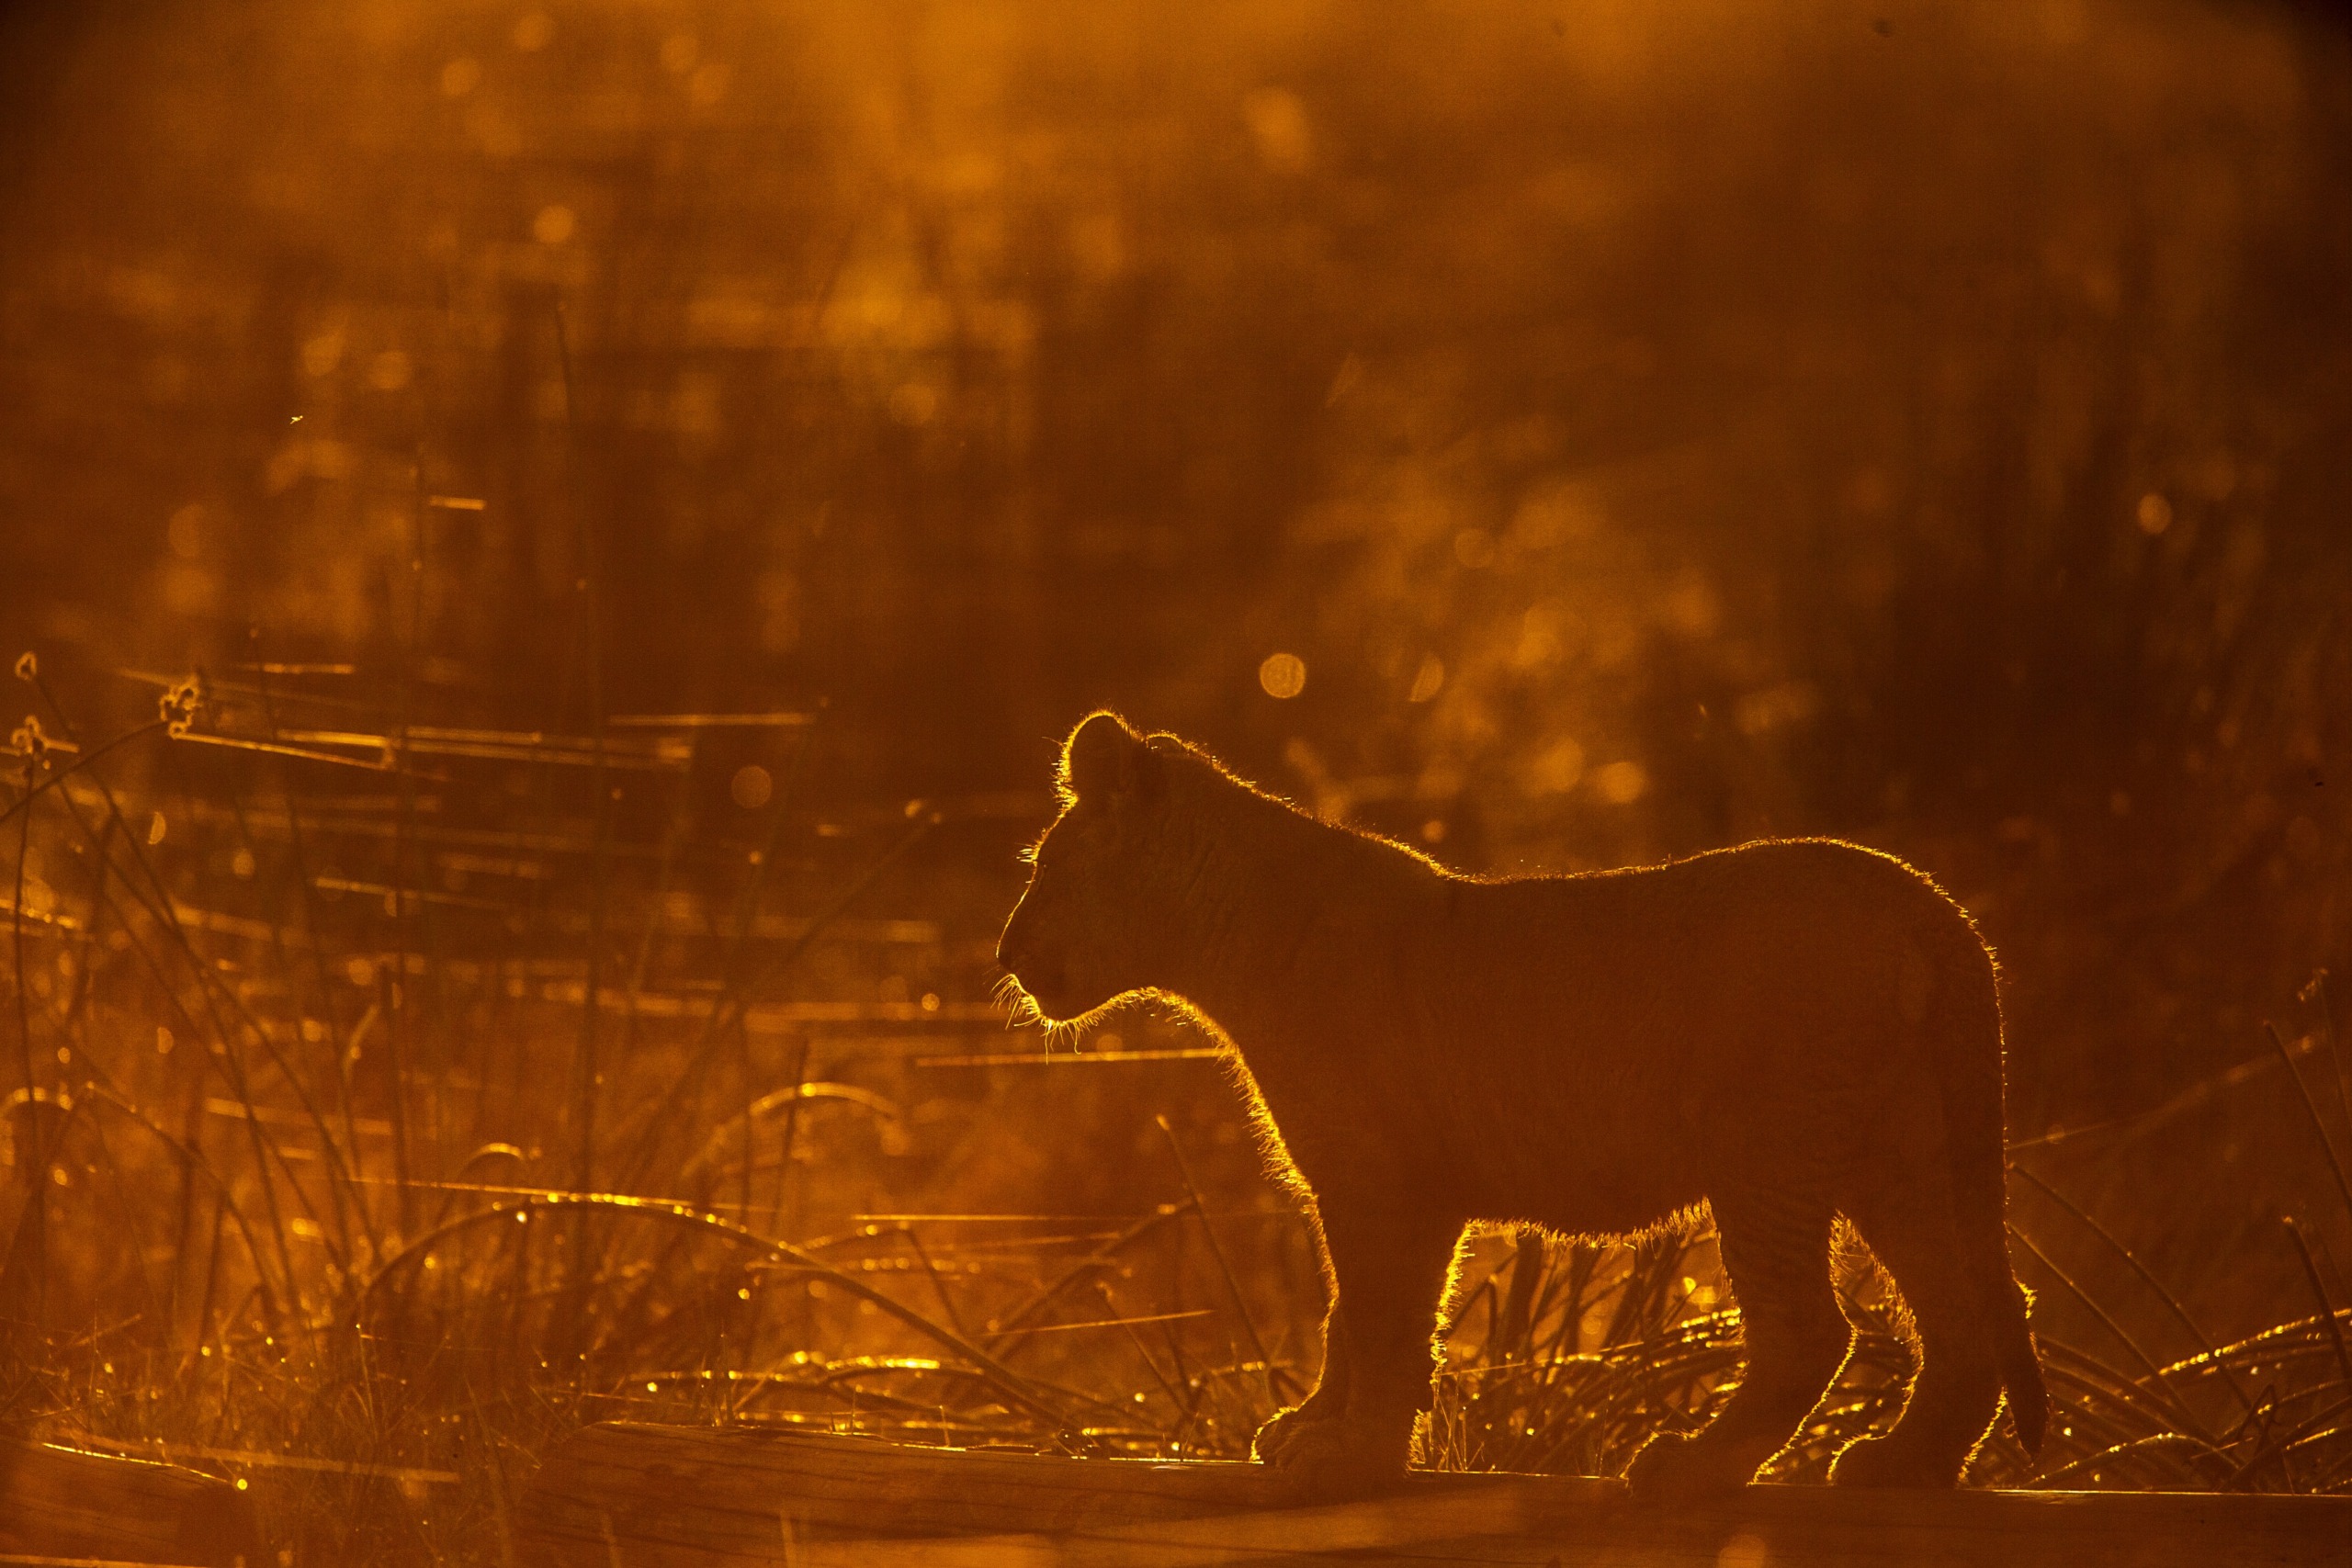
1105	761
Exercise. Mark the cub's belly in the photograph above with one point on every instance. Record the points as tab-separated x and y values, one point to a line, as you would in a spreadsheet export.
1478	1146
1566	1190
1604	1167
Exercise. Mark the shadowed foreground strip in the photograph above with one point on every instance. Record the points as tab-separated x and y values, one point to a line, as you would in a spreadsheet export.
729	1497
60	1505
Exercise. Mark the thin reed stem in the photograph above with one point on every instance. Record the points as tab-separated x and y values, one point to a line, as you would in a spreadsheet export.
2310	1109
35	1156
1217	1251
2319	1294
2156	1379
2125	1253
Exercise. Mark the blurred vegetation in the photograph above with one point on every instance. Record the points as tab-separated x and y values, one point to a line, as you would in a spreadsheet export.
1558	436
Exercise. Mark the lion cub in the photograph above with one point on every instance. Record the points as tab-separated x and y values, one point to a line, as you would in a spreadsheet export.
1785	1031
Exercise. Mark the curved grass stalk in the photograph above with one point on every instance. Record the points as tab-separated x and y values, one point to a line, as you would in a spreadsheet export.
57	776
2123	1452
1005	1381
2310	1107
161	909
2170	1301
2187	1419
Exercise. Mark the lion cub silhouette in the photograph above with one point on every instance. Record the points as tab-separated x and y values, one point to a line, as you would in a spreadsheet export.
1786	1032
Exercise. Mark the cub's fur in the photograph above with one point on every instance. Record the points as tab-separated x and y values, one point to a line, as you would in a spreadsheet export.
1786	1032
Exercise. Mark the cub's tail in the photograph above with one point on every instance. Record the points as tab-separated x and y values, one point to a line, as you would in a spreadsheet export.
1966	1012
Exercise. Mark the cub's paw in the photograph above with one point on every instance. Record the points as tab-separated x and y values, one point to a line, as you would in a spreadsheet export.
1275	1438
1679	1467
1331	1462
1889	1461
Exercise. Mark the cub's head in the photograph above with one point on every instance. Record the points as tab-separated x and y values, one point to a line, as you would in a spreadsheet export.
1089	929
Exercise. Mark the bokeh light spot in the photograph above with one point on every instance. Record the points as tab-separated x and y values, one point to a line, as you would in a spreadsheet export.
1743	1552
1556	768
460	76
913	404
185	531
707	84
1693	608
390	371
1283	675
534	32
2155	514
1622	784
554	224
751	786
1277	122
1428	680
321	354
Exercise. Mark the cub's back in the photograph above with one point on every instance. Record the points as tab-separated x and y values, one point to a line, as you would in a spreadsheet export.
1611	1028
1772	912
1747	966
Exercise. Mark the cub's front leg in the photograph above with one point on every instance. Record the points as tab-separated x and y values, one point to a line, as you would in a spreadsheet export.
1328	1402
1353	1436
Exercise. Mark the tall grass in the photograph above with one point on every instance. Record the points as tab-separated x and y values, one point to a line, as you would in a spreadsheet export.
399	1092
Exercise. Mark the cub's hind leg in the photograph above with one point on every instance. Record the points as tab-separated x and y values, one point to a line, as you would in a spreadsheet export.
1957	1390
1775	1249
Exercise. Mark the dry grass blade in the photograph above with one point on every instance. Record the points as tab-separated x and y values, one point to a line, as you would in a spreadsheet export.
2319	1294
1000	1377
2172	1302
1223	1266
1071	1058
711	720
2157	1383
2319	1127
